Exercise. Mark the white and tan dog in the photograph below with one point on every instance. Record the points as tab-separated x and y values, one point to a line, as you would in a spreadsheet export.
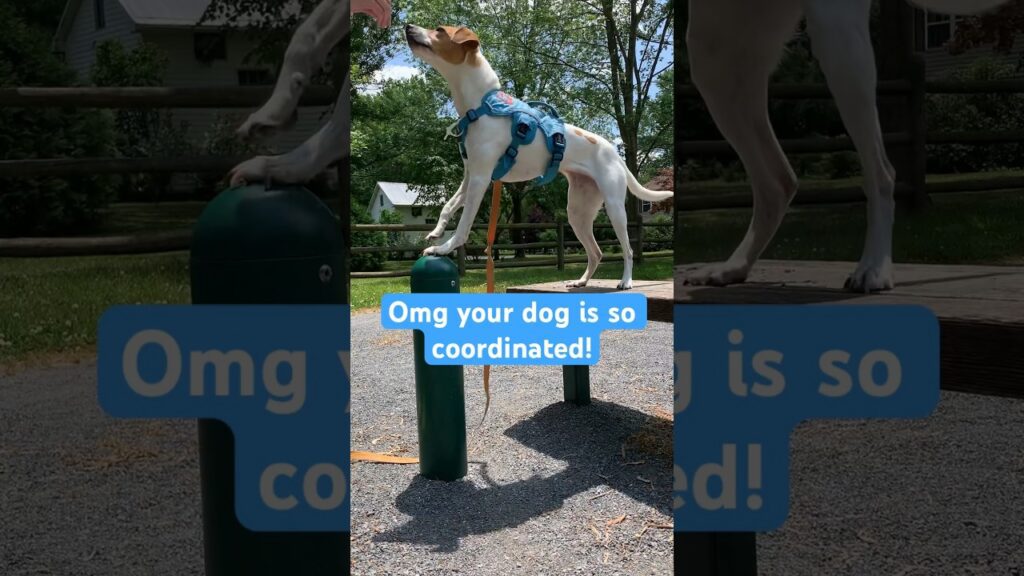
596	173
734	46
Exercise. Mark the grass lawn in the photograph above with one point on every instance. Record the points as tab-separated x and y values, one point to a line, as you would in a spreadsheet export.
971	228
52	305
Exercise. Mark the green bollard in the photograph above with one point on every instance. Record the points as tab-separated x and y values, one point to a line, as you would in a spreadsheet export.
440	396
258	246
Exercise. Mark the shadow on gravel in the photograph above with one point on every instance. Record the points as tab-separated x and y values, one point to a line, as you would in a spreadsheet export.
588	439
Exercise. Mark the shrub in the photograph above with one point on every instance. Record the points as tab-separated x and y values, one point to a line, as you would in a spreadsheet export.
976	112
367	262
47	205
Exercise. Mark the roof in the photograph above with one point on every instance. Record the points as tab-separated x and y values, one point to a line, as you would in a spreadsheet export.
157	13
398	193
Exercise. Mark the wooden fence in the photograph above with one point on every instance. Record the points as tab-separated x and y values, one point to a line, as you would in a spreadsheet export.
127	98
906	144
470	256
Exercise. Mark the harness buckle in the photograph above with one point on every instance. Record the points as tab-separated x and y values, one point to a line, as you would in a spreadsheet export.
472	115
511	152
522	130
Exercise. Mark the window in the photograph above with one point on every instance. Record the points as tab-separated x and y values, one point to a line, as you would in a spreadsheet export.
255	78
430	221
646	206
99	13
938	30
381	201
210	46
417	211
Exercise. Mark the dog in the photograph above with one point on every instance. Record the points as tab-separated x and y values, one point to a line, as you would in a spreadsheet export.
597	174
734	45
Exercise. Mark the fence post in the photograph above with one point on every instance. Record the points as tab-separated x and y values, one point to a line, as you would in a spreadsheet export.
462	260
560	251
918	121
638	256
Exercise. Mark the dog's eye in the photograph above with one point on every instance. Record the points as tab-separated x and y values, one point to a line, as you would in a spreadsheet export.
440	31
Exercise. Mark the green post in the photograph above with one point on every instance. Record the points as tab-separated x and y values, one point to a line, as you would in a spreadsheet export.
440	394
576	384
258	246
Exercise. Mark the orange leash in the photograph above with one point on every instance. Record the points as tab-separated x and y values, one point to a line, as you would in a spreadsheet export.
492	232
359	456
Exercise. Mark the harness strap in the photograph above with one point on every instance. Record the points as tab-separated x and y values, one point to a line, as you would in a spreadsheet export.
492	233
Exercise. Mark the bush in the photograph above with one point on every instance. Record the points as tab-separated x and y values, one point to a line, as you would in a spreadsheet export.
141	133
976	112
367	262
658	237
47	205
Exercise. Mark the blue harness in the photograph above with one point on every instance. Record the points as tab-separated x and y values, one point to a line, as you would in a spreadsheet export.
526	120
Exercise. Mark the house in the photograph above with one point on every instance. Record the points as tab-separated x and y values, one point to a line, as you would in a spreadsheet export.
199	55
400	198
663	180
933	31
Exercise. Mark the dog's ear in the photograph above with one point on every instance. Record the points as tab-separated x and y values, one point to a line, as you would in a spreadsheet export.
466	38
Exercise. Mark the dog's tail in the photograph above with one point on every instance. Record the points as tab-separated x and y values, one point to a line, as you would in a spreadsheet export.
643	193
958	7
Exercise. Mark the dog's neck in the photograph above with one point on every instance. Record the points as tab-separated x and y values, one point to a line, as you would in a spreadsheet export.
470	87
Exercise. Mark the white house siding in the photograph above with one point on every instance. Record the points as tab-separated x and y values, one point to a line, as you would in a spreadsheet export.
186	70
83	37
426	216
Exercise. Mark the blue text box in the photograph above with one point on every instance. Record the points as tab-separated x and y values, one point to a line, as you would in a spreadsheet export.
745	376
277	375
510	329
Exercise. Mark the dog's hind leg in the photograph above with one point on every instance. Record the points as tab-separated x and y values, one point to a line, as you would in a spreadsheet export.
841	40
734	46
611	181
585	201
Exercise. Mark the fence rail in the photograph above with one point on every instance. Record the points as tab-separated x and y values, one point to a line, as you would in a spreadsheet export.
155	97
912	141
181	240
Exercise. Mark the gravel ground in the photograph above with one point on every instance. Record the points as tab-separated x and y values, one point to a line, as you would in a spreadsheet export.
545	478
934	497
83	494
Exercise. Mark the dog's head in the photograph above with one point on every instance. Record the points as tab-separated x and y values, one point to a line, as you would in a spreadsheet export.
446	48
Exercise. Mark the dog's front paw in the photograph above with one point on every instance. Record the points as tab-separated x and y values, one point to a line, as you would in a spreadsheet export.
442	250
870	278
625	284
576	284
251	171
435	235
720	274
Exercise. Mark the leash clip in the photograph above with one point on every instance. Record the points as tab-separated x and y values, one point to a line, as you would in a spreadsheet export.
453	130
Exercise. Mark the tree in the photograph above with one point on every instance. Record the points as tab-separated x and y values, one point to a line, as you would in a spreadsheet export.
270	23
144	132
998	28
46	205
398	131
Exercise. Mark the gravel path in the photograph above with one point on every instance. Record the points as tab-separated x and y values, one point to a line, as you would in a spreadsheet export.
933	497
83	494
545	478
